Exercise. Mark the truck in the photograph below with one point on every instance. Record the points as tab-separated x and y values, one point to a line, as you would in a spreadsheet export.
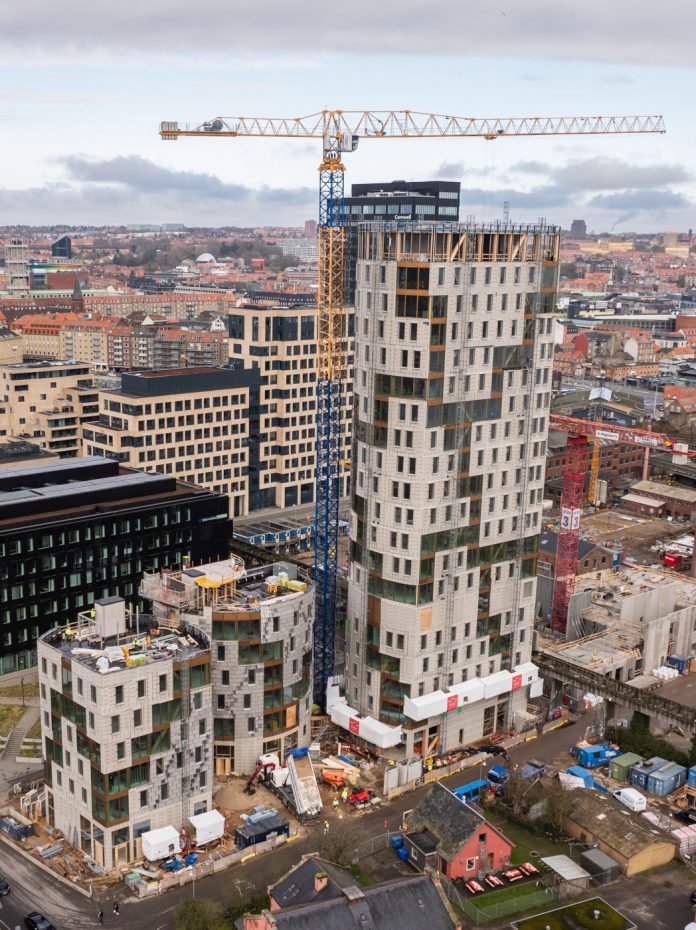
295	784
633	799
498	778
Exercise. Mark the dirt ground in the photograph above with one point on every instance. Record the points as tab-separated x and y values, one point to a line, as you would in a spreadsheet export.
636	534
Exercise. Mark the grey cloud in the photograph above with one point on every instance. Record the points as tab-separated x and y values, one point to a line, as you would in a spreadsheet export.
648	33
140	174
613	173
134	189
640	200
601	173
449	170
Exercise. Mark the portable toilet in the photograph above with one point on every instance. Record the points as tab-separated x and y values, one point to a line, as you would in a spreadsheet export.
620	767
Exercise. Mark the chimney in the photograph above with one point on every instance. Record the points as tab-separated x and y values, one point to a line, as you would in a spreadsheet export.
321	880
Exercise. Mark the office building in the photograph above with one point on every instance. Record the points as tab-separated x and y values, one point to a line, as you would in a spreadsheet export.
62	247
452	394
17	268
280	343
260	625
125	725
310	229
47	402
77	530
394	200
578	229
304	250
197	424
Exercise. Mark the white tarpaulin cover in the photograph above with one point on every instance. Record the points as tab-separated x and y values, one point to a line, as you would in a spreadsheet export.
209	826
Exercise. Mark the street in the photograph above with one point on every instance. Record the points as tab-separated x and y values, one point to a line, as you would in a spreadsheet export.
69	910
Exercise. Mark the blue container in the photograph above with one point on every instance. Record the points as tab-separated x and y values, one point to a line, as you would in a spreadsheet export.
691	780
397	842
403	854
580	772
678	662
590	757
641	772
666	780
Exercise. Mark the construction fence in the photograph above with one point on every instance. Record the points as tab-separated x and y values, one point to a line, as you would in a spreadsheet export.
479	913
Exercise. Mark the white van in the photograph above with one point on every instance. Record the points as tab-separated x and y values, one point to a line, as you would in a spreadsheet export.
633	799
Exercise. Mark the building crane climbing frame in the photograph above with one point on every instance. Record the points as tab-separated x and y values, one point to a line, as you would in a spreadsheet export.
580	434
340	131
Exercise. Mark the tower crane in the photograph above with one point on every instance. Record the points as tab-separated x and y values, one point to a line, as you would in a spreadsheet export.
580	434
340	131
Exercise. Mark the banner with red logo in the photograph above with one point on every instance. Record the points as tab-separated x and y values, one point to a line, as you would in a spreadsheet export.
516	682
354	725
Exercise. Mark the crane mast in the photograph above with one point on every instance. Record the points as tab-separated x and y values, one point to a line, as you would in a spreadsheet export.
340	131
580	434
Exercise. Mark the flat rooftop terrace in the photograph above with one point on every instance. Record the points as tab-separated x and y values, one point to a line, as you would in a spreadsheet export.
84	643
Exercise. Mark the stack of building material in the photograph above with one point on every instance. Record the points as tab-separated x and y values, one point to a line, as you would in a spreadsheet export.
685	838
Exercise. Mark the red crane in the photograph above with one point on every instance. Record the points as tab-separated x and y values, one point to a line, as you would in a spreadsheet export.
581	433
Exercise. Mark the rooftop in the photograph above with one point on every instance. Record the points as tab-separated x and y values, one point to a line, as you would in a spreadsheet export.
225	585
110	640
452	821
407	903
40	490
185	381
620	829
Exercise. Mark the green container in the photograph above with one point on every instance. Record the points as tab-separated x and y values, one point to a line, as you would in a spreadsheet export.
620	767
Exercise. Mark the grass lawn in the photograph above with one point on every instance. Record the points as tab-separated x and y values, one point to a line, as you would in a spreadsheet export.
34	731
524	841
361	874
512	893
10	714
582	914
31	689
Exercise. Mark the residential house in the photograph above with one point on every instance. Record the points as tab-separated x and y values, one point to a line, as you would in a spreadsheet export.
454	838
316	895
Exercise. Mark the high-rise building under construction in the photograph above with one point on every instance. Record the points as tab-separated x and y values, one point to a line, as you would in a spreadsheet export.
453	368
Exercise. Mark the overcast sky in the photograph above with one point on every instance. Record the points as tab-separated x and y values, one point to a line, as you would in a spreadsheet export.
85	84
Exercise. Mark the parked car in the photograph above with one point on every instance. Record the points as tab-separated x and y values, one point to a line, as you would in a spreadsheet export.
36	921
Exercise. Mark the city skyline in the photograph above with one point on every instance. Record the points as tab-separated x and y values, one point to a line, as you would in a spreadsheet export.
93	93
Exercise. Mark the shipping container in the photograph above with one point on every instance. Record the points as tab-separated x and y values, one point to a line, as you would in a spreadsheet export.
691	780
620	767
639	773
681	663
666	779
258	832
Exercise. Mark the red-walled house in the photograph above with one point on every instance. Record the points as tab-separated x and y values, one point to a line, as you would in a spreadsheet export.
451	836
